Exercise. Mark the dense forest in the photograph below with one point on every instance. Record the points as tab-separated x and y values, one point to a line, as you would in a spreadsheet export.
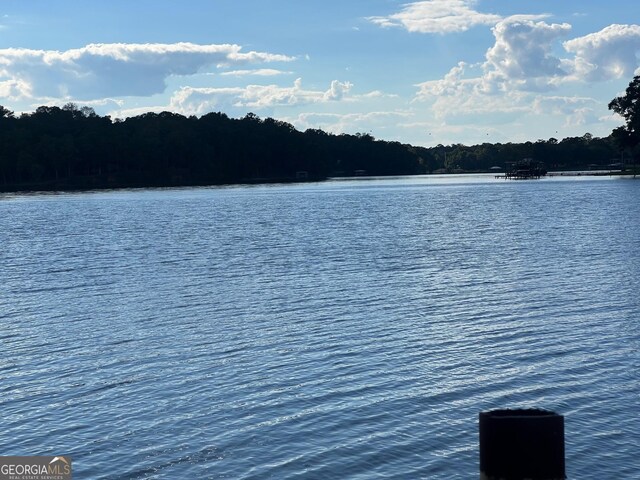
71	147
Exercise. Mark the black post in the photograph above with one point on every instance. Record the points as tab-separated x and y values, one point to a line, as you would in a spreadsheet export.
521	444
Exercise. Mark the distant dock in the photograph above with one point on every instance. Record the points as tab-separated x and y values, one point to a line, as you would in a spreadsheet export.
525	169
517	175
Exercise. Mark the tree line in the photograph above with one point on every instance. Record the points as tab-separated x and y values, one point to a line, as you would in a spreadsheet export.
571	153
73	147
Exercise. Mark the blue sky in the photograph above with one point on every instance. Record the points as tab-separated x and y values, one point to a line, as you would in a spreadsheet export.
425	72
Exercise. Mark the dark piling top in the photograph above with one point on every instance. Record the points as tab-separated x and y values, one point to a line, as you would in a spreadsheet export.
522	444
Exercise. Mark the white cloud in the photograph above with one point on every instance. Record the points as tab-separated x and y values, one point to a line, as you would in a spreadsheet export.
347	123
337	90
507	85
265	99
524	49
526	61
560	105
437	16
14	89
525	58
610	53
135	111
103	70
198	101
470	105
451	85
575	110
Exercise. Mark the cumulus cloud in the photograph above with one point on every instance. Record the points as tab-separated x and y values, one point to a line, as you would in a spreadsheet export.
14	89
503	88
197	101
451	85
525	62
337	90
531	71
524	58
523	49
608	54
103	70
519	66
455	99
437	16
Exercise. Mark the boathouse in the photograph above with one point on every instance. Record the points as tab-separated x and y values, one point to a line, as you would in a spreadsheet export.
526	168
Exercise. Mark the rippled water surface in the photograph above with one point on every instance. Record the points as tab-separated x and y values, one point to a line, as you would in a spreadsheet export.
347	329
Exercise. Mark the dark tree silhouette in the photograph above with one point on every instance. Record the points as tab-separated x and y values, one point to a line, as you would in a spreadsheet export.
72	147
628	107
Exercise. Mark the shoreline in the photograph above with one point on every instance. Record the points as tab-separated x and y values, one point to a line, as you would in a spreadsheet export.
104	186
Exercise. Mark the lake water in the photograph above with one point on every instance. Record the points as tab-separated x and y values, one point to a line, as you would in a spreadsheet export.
351	329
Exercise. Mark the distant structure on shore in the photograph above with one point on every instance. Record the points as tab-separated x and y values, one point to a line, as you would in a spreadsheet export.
524	169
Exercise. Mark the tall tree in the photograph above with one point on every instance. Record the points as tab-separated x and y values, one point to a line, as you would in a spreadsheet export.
628	107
